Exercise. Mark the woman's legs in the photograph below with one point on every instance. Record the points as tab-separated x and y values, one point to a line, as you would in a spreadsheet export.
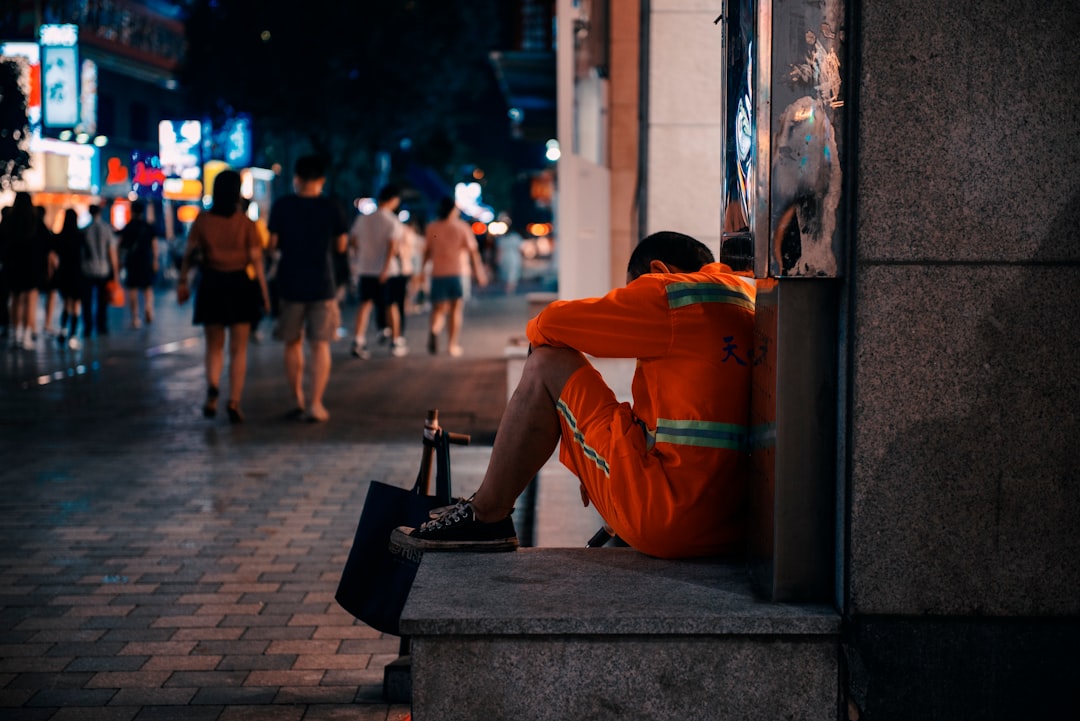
18	317
50	308
25	312
31	311
239	335
72	306
148	304
215	354
133	306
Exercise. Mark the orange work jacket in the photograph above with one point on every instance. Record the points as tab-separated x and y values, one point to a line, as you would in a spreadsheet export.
692	335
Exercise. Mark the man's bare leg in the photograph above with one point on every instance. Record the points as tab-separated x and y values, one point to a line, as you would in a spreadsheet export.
456	315
320	375
361	323
528	433
294	370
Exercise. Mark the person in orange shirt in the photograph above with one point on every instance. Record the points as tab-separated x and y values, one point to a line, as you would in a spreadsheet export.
232	290
668	473
448	243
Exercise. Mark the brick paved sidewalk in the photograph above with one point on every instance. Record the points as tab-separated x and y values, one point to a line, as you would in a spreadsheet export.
155	565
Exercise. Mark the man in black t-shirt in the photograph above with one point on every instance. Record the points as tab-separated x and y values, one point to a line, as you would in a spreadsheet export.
307	229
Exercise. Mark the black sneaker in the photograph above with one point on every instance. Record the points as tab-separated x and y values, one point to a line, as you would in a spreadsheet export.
443	510
457	530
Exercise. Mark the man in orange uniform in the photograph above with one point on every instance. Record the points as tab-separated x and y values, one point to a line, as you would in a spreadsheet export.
667	475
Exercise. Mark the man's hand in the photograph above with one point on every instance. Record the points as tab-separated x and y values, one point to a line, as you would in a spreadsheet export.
584	495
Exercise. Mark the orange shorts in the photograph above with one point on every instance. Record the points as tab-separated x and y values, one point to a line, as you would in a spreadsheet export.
606	448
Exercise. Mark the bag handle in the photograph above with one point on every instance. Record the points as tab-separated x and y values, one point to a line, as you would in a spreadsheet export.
437	444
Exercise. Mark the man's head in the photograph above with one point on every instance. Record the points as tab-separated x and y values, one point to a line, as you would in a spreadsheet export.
447	206
668	252
138	208
309	174
309	167
389	196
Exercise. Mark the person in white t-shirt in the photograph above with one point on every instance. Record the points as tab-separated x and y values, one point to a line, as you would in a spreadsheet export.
375	242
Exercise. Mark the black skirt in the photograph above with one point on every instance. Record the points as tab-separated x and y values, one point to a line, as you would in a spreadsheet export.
227	298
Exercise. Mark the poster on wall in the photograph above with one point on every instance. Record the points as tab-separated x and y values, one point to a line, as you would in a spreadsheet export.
806	169
737	241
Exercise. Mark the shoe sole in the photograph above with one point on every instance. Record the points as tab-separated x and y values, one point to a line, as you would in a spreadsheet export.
401	541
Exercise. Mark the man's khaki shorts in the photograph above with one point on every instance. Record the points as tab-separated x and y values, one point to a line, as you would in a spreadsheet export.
318	320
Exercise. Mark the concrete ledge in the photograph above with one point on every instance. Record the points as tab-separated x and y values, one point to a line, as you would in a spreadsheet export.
549	634
599	592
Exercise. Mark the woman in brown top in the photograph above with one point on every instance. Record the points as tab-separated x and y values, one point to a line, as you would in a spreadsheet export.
232	293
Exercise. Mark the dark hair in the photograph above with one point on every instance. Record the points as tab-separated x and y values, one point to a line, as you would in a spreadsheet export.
389	192
21	221
226	193
670	248
71	222
738	253
309	167
138	207
446	206
94	210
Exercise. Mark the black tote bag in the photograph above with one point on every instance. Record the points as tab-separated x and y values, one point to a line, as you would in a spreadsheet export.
375	582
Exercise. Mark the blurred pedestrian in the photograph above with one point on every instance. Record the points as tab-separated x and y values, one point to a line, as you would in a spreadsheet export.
412	266
5	288
48	287
397	286
508	255
449	243
306	228
69	280
375	241
139	249
100	264
232	288
25	265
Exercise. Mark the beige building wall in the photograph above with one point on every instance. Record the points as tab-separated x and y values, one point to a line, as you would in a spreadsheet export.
685	119
625	66
676	185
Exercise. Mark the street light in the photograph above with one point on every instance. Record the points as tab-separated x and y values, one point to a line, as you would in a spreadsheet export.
552	153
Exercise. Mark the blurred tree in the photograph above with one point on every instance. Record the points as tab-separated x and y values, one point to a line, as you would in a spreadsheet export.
14	125
351	79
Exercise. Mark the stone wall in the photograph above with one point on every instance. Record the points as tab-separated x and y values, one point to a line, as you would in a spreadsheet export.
964	415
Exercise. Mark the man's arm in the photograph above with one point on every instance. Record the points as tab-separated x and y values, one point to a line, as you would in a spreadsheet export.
629	322
114	255
477	265
391	253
